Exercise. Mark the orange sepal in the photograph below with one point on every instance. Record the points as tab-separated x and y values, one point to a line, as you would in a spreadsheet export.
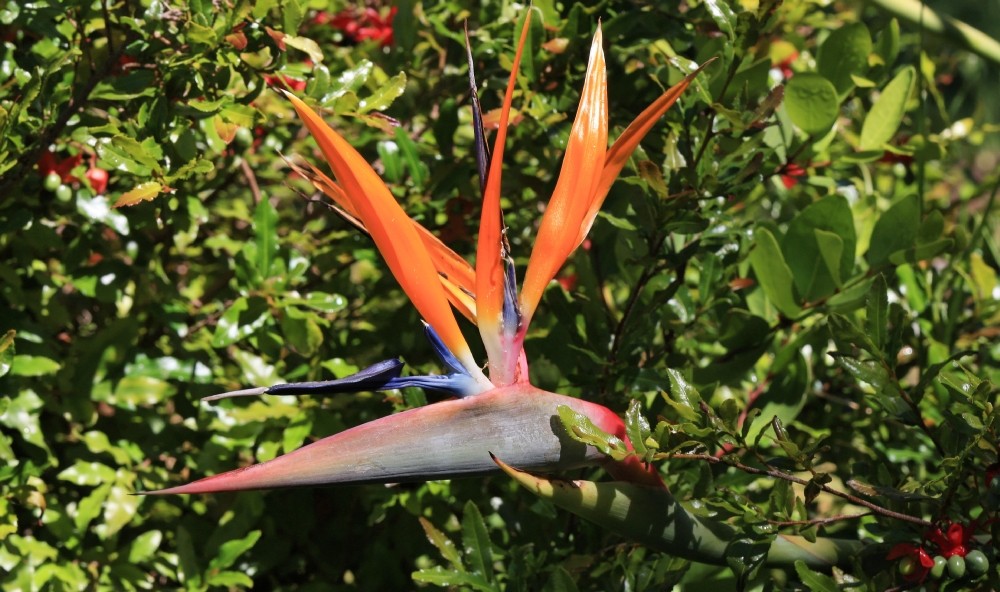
578	179
626	144
394	234
449	265
489	262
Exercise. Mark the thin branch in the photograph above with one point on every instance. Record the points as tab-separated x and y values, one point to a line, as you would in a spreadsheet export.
778	474
820	521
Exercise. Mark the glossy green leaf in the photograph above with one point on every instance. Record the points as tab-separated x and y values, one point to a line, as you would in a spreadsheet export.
440	576
144	546
636	426
723	16
831	249
582	429
895	230
811	255
265	227
231	550
683	396
812	103
119	508
476	542
239	321
878	312
844	54
310	47
87	473
7	351
887	113
773	274
783	398
384	95
21	416
814	580
27	365
443	544
887	46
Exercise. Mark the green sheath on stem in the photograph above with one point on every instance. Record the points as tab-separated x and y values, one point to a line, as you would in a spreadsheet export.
654	518
924	17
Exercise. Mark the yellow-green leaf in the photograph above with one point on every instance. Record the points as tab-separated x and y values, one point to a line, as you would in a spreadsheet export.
142	192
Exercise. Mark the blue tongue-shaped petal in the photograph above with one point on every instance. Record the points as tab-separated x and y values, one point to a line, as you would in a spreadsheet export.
372	378
442	351
382	376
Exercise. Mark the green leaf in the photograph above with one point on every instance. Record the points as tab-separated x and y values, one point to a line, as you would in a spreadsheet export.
895	230
636	426
582	429
812	103
868	371
7	351
188	570
921	252
475	539
26	365
265	227
230	551
723	16
560	581
384	95
87	473
307	45
119	508
887	46
831	249
815	581
142	192
809	264
684	398
878	312
845	54
144	546
234	327
392	164
886	114
321	301
444	545
784	398
351	80
408	152
450	578
232	580
773	274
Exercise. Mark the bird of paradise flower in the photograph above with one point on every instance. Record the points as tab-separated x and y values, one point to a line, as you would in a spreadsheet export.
498	420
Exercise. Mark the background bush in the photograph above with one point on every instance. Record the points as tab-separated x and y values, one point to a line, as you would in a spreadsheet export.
807	235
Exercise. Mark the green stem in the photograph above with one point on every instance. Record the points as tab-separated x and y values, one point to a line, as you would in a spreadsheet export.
654	518
952	29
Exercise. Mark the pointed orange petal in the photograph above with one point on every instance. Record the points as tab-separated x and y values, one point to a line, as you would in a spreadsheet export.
393	233
454	272
578	179
623	147
447	262
489	263
461	299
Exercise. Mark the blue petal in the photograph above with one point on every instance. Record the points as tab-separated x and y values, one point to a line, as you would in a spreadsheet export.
442	351
460	385
511	311
372	378
481	149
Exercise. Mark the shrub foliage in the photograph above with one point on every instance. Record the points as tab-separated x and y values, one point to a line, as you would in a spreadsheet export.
792	291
